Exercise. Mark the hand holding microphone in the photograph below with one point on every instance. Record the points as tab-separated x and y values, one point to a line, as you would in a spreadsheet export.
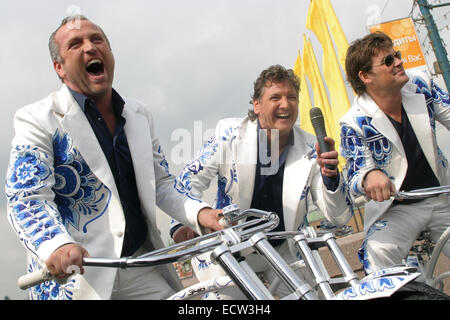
326	155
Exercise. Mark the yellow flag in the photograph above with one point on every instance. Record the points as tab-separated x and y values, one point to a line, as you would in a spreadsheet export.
336	30
312	71
304	104
331	71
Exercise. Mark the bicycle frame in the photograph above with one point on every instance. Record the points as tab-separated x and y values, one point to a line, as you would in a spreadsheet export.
382	284
226	246
429	278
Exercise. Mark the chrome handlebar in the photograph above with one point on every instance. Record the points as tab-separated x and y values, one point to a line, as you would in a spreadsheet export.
265	221
423	193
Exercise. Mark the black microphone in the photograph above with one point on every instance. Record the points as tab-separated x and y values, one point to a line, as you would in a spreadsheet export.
318	124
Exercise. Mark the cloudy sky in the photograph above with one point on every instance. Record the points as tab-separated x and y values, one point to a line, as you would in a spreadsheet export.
193	62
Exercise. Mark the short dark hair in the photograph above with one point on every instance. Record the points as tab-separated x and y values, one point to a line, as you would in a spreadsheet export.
275	73
359	57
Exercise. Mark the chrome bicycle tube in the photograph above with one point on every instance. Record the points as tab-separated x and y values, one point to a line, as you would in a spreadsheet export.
342	262
281	268
229	263
313	267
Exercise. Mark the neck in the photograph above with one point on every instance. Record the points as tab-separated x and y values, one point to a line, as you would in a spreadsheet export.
391	104
282	140
105	107
104	102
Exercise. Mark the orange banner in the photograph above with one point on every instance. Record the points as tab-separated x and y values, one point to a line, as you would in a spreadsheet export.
403	34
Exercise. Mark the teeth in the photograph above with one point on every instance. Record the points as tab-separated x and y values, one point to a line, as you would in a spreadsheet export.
93	61
283	115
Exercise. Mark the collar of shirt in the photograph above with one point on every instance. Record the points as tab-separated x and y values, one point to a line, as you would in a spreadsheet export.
117	101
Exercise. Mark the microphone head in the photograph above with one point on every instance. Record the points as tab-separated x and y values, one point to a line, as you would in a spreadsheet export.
317	121
315	113
316	116
318	124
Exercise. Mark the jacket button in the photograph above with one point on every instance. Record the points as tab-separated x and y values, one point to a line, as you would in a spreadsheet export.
119	234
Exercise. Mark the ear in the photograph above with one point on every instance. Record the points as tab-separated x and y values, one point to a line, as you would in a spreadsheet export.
59	69
365	77
256	106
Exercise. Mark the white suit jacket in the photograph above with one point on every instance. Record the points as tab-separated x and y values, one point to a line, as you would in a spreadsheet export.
60	190
369	140
231	156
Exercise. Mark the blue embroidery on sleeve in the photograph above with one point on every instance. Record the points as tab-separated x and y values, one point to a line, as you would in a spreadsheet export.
77	192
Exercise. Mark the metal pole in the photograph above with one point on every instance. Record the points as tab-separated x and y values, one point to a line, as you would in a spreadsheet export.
281	268
313	267
436	42
228	262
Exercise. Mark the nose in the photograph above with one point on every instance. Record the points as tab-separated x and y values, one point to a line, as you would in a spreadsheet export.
89	46
398	61
284	102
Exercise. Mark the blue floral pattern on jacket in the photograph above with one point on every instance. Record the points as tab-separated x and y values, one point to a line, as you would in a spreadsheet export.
354	146
77	189
50	290
79	199
35	221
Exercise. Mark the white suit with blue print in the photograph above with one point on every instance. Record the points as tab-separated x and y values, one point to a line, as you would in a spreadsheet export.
60	190
369	141
231	157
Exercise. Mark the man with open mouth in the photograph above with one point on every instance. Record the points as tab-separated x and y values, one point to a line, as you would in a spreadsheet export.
86	174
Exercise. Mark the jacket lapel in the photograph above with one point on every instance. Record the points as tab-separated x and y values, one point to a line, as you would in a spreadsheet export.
416	109
245	153
381	122
140	143
296	172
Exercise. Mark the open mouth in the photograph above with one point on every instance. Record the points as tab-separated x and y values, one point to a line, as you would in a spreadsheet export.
95	67
282	116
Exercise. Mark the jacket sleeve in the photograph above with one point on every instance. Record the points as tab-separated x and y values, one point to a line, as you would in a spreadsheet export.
441	105
336	205
437	99
358	157
30	179
197	175
177	203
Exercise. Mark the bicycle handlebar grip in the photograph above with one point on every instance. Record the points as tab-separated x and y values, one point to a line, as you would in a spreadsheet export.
223	222
33	278
230	213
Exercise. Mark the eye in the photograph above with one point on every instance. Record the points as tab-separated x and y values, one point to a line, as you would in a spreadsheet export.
97	39
73	44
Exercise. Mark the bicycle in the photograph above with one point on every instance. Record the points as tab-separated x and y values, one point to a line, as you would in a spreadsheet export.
227	244
425	254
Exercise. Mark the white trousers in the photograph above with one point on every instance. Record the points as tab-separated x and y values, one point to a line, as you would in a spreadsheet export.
389	240
141	283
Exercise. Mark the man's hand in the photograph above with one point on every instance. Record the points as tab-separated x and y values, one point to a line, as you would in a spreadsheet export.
378	186
183	234
66	260
209	218
330	158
